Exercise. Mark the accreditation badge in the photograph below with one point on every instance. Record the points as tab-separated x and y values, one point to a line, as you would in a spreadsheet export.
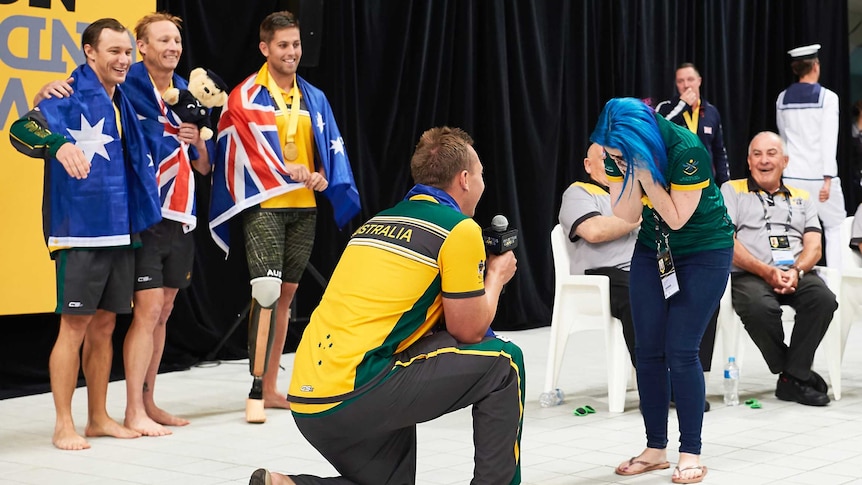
667	273
781	253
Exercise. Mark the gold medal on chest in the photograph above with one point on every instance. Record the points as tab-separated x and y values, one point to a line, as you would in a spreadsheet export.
291	152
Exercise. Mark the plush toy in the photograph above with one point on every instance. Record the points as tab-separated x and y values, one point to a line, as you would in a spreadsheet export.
206	90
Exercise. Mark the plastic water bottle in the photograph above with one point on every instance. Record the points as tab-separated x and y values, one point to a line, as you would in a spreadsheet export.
731	383
553	398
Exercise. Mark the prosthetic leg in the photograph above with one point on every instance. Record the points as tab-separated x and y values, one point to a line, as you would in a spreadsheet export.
261	327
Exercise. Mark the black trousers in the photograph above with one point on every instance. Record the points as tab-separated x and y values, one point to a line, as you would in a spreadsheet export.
372	439
621	308
759	308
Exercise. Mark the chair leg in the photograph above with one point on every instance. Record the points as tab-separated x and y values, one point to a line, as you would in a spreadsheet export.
618	365
739	343
556	348
832	345
730	327
706	383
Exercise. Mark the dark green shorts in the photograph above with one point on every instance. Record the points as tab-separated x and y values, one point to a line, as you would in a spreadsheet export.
95	279
278	242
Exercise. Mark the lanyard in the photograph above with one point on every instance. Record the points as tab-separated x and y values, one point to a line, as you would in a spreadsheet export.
156	88
692	120
766	214
293	118
661	232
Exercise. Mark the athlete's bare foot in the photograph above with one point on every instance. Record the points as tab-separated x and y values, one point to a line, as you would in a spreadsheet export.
275	400
165	418
109	427
66	438
146	426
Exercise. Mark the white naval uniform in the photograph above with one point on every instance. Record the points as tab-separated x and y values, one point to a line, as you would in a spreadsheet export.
809	128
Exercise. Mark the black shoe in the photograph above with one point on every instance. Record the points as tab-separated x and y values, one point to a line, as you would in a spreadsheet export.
260	476
790	388
817	382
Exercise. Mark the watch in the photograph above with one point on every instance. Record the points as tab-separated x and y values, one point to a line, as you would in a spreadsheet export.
798	271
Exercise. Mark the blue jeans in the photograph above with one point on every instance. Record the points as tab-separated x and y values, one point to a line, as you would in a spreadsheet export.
667	338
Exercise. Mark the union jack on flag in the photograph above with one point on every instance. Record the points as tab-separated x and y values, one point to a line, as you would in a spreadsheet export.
161	126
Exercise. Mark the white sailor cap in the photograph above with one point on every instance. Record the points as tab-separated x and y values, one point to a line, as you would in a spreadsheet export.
804	52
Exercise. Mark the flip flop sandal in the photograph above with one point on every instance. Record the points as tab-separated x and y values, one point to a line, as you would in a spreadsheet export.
647	467
753	403
679	479
584	410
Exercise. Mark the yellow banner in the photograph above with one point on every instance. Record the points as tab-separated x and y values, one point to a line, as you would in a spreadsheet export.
40	41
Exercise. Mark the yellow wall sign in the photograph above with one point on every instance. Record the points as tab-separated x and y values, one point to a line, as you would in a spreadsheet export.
40	41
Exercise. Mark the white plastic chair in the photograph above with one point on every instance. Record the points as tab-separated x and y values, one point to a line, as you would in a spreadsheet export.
582	302
850	302
732	329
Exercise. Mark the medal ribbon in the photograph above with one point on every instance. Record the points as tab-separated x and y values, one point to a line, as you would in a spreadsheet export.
293	118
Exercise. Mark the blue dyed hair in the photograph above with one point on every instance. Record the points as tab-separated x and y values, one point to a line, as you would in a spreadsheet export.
629	125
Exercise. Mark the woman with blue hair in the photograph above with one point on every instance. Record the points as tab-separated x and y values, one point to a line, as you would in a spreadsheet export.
661	173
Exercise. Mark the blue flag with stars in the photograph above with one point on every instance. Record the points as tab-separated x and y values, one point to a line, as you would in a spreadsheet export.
119	197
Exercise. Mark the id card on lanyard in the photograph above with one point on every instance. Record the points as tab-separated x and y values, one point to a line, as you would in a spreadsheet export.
779	244
666	269
781	253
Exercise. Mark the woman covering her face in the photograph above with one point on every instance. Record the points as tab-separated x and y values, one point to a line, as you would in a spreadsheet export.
661	172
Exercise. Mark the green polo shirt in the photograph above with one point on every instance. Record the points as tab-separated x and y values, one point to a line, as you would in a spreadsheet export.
688	168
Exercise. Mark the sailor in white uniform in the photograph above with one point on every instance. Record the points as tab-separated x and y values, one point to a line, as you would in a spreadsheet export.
807	118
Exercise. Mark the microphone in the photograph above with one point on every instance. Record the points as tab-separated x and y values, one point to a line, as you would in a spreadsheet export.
499	238
499	223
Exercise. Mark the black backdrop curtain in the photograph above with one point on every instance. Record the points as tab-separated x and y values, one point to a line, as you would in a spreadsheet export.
526	79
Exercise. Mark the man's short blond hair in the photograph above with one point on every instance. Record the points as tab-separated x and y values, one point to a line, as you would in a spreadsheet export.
143	25
441	153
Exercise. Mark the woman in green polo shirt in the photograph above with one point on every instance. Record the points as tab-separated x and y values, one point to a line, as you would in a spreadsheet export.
661	172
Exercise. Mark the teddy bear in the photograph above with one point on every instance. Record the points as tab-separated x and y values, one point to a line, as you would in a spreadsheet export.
206	90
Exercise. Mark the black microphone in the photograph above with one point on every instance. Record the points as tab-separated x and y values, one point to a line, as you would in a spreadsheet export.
499	238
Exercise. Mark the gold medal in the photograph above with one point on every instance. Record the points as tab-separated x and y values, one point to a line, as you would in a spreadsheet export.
291	152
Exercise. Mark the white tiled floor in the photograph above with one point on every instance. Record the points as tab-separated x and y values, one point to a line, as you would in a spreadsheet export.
780	443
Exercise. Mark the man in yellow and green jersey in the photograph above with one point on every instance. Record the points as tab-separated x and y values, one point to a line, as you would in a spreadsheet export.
399	337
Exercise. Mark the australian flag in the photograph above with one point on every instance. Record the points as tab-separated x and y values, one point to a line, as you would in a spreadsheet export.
248	165
173	158
119	196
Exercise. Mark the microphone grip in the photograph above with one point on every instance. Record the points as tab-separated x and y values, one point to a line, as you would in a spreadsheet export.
498	242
